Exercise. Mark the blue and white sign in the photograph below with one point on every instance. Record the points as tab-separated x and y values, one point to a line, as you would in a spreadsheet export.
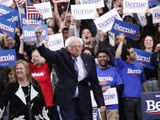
13	16
144	58
83	11
95	113
29	33
135	6
129	30
142	19
7	27
97	3
32	22
152	2
55	42
155	14
8	57
150	105
45	9
106	21
5	10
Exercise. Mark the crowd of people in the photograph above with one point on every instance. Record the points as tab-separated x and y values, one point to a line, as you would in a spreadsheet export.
55	85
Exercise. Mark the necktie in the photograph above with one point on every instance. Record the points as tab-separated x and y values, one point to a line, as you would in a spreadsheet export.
76	67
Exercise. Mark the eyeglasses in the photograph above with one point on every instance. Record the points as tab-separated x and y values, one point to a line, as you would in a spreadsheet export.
76	46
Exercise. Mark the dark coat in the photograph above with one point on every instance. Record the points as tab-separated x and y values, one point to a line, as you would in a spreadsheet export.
68	82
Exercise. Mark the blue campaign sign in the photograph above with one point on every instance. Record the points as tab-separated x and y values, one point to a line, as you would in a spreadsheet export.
144	58
129	30
152	2
8	57
13	16
7	27
29	33
4	10
150	105
33	22
95	113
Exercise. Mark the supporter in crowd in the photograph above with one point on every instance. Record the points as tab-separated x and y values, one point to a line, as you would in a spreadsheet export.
3	76
158	32
41	71
138	39
108	78
25	96
155	61
87	38
104	41
11	77
132	74
148	45
65	33
88	51
50	31
118	4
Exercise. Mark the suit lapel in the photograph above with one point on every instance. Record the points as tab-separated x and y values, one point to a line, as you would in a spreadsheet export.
70	63
84	59
34	93
20	94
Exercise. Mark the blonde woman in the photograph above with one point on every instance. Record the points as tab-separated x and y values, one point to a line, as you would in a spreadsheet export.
25	96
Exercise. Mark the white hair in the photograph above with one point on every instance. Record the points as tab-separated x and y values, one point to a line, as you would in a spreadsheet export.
70	40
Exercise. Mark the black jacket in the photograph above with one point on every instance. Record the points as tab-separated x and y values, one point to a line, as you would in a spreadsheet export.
68	82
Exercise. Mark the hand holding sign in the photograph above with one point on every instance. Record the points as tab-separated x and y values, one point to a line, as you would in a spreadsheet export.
21	38
38	32
105	88
148	13
121	38
101	35
102	109
103	83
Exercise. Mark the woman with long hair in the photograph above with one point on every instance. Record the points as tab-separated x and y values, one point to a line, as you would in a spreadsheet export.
25	96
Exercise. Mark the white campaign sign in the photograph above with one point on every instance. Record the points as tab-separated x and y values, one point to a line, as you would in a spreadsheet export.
55	42
6	2
97	3
142	19
156	14
106	21
110	97
45	9
87	11
135	6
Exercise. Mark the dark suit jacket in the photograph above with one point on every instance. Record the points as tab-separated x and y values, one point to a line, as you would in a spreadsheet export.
68	82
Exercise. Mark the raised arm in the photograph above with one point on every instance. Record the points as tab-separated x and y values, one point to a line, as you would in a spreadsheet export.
21	47
50	56
119	49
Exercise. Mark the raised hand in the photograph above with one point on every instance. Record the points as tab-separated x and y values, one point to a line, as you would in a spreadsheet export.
38	32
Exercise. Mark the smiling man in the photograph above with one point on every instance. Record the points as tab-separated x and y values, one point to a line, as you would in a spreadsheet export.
108	77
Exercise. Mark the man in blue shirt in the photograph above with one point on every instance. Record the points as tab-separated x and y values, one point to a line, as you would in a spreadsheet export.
108	77
132	74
